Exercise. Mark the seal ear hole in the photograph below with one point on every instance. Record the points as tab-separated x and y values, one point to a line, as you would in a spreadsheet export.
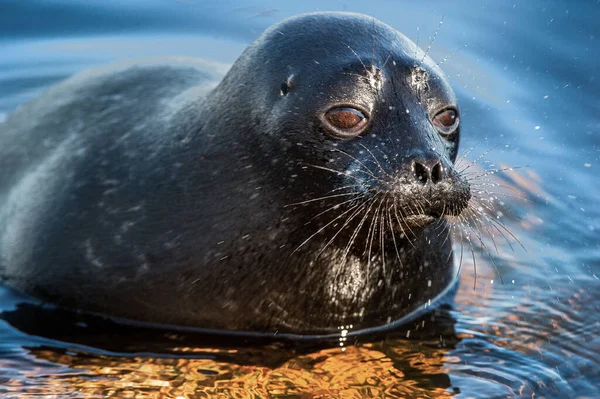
446	121
285	88
345	121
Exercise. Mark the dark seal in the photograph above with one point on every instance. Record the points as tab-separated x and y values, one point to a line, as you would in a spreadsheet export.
307	192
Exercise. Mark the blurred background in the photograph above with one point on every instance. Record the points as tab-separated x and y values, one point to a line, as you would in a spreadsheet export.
527	77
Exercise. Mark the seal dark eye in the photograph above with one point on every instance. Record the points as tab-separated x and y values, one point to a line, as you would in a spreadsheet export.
346	121
446	121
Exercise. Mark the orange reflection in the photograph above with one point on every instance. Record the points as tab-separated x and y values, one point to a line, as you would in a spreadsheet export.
397	369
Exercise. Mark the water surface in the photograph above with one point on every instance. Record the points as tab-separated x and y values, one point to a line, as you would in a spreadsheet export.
526	74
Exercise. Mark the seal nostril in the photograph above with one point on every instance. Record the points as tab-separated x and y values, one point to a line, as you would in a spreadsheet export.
437	173
421	172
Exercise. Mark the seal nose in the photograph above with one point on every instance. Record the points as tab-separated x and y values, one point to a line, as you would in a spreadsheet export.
428	171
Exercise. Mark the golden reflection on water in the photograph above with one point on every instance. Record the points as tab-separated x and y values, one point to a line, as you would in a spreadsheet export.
368	371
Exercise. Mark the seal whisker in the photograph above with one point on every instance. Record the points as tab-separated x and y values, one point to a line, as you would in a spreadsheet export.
389	215
385	157
369	232
468	236
343	188
333	207
448	231
483	204
373	41
394	46
503	227
386	60
440	223
479	205
461	224
382	238
473	206
370	172
483	227
417	42
402	222
442	219
495	222
463	165
337	172
321	229
461	251
357	209
439	64
485	184
474	224
419	208
485	248
463	155
371	235
363	207
376	160
359	227
493	225
486	152
496	194
359	59
476	160
376	226
494	171
431	41
485	188
323	198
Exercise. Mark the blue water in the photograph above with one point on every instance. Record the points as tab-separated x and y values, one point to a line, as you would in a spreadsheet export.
527	77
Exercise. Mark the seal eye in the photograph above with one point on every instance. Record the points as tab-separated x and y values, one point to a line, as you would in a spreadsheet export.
346	121
446	121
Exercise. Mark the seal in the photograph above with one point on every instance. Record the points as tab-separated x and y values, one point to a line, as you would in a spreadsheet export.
305	192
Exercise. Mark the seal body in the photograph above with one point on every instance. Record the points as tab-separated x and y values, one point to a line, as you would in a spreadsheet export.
304	191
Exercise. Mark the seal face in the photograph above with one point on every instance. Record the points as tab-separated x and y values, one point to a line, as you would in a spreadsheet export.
308	190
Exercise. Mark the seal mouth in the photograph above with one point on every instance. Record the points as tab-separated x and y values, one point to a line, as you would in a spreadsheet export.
415	221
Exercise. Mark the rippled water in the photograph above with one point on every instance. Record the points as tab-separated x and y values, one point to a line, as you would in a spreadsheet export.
527	77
